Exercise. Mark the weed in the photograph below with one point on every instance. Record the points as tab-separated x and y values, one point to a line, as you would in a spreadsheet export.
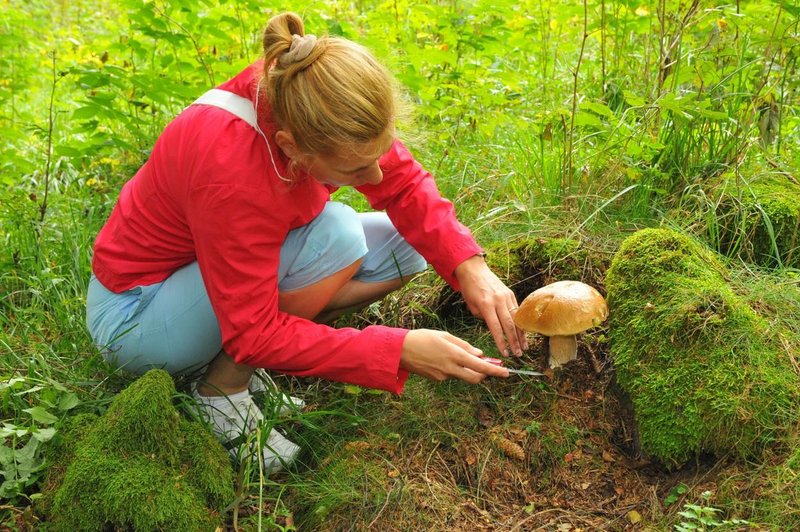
704	517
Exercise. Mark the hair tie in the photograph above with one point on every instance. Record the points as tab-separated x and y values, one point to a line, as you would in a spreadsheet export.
300	49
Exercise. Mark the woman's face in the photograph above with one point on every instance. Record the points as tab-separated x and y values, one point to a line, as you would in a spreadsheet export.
349	168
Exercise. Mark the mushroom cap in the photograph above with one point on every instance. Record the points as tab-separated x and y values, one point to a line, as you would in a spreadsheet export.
562	308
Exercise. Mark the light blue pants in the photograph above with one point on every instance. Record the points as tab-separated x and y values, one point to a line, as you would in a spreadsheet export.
171	324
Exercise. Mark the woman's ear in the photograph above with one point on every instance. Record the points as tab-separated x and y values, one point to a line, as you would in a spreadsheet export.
286	143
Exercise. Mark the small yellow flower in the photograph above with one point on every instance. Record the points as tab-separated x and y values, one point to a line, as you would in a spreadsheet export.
642	11
722	24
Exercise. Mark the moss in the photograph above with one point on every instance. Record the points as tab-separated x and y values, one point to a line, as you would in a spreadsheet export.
704	371
140	466
526	265
742	212
533	263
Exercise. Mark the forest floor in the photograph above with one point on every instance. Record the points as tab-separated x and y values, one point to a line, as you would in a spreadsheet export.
526	453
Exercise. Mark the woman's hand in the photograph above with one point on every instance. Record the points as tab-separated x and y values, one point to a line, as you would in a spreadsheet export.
488	298
438	355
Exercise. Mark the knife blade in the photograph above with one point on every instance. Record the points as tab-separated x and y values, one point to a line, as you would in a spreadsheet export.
498	362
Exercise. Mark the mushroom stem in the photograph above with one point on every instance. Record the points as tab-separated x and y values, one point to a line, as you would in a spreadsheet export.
562	350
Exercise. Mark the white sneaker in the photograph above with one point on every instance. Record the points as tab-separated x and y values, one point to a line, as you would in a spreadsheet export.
261	382
234	418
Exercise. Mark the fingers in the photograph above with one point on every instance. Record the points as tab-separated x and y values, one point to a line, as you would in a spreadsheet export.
507	337
463	344
438	355
485	369
461	360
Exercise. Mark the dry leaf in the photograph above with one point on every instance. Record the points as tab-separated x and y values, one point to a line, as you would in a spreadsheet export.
358	445
470	458
607	457
485	417
393	473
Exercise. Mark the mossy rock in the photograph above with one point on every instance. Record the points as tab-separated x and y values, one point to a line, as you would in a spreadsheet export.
704	371
140	466
759	219
530	264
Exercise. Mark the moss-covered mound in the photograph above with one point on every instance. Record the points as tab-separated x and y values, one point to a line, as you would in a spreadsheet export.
759	219
704	371
140	466
530	264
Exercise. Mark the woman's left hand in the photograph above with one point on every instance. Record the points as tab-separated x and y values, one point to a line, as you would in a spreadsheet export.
489	298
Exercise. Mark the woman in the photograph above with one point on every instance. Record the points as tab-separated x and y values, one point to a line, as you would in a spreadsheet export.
225	251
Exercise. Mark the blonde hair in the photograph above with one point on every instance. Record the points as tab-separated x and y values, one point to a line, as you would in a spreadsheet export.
336	97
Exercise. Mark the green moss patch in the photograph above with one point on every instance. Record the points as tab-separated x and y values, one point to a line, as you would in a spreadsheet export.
705	372
530	264
759	219
140	466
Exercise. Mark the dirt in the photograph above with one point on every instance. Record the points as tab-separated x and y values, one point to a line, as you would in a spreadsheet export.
508	478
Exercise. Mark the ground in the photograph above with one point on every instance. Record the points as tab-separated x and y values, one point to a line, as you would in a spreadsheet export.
524	453
558	455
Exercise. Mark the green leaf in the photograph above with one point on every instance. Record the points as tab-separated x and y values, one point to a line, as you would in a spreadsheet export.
68	401
352	389
587	119
12	430
41	415
84	113
632	99
44	435
597	108
67	151
11	382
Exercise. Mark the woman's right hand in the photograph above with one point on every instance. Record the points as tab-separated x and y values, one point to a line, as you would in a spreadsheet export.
438	355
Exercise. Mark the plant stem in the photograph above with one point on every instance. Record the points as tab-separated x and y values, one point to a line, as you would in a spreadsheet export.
575	98
602	44
49	152
196	45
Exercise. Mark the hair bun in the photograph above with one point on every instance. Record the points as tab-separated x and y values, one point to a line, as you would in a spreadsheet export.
301	47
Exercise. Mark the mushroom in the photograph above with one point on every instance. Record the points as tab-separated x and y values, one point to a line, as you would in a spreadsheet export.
561	310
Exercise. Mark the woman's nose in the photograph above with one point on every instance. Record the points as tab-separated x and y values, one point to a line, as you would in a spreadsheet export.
373	175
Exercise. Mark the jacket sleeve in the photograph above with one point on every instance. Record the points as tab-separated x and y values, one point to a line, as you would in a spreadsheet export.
238	233
409	195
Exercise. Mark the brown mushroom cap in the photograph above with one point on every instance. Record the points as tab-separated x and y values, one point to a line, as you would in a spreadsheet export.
561	309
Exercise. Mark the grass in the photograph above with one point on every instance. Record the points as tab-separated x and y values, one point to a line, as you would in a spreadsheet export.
648	149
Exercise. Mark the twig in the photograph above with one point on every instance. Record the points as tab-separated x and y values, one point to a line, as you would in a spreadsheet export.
598	368
49	153
191	38
788	350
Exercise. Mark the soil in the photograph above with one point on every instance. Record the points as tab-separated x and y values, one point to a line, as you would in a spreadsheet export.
601	482
511	478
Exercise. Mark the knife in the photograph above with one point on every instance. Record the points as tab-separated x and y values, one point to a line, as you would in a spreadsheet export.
498	362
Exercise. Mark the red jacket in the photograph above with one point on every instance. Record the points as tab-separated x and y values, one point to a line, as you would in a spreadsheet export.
209	193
